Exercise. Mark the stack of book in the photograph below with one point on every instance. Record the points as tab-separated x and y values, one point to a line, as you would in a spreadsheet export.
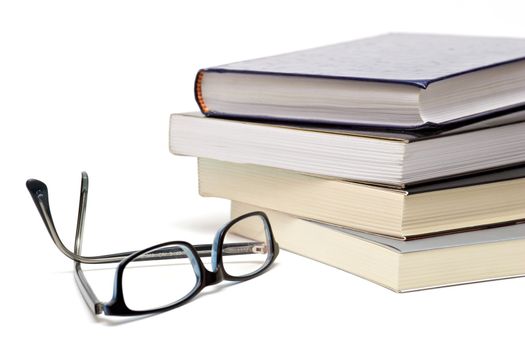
398	158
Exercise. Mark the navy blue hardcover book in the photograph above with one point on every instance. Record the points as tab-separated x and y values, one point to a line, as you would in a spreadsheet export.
407	82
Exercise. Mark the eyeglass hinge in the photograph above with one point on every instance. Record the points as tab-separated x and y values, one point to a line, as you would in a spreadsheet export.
260	249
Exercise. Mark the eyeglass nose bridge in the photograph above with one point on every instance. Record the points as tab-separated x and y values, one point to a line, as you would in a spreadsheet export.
213	277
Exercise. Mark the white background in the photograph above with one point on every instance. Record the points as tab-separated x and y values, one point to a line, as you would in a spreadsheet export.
90	86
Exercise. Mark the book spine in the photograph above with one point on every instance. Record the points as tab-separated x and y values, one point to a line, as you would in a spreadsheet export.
198	92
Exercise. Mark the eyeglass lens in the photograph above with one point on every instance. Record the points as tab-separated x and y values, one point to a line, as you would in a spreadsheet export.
251	229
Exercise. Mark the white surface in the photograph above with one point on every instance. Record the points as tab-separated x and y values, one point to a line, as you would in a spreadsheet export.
92	86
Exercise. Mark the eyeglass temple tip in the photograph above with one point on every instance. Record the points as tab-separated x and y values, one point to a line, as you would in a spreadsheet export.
38	191
85	181
36	187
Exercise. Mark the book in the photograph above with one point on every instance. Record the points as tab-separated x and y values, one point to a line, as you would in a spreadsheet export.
464	204
402	266
399	80
392	159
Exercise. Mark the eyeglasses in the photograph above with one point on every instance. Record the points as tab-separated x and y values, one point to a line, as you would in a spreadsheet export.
173	272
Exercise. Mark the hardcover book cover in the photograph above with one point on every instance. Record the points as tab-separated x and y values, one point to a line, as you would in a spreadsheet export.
412	60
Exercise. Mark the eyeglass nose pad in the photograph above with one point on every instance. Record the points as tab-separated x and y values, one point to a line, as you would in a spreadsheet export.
215	250
194	262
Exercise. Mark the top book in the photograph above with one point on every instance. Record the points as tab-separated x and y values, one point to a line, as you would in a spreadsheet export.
392	81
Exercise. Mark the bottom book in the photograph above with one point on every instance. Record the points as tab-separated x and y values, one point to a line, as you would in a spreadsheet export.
402	266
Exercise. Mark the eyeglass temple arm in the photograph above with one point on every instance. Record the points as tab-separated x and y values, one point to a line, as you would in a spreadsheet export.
85	289
39	193
205	250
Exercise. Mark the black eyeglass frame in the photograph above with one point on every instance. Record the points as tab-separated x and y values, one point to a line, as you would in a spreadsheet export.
117	305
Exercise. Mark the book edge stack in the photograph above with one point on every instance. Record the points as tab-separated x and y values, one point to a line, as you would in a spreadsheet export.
230	141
